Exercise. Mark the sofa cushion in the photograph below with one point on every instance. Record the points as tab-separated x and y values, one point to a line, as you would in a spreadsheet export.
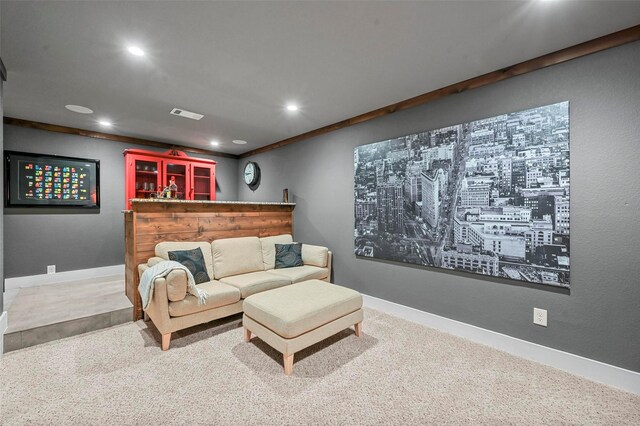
288	255
302	273
233	256
296	309
315	255
255	282
193	260
269	249
218	294
163	249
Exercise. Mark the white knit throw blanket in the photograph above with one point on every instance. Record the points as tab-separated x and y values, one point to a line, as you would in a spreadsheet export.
162	269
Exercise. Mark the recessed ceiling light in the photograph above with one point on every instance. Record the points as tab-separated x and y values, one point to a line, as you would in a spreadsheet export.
105	123
215	142
292	107
135	50
79	109
239	142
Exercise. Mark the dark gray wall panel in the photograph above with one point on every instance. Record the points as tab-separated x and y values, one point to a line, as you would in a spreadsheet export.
599	318
36	238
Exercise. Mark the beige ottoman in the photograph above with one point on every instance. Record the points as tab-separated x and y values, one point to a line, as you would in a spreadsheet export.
299	315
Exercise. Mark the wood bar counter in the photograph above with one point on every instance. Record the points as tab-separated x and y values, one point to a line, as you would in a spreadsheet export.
151	221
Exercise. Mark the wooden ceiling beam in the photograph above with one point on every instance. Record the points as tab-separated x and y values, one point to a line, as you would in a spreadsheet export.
609	41
108	136
579	50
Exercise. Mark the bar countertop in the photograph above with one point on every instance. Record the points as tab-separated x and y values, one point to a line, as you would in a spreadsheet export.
204	202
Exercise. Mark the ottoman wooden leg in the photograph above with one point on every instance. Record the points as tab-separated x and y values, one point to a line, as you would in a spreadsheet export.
358	328
247	334
288	364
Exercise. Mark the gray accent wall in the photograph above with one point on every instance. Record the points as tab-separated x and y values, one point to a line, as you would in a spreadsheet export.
76	239
599	317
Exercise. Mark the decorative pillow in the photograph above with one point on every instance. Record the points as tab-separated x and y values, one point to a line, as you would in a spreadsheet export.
193	260
288	255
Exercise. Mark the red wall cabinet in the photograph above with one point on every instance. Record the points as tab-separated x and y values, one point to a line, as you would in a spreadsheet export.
147	173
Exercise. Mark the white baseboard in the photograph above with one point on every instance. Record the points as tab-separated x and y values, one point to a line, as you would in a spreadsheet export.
4	323
597	371
59	277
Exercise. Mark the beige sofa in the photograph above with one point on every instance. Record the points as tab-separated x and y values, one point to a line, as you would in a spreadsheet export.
239	267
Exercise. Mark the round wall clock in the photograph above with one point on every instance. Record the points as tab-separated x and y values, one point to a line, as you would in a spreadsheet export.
251	174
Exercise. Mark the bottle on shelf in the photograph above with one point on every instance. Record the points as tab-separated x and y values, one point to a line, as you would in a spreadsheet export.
173	188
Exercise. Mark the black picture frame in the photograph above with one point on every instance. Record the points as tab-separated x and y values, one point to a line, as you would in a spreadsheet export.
14	186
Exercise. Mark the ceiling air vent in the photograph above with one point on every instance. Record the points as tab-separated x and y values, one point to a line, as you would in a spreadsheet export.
186	114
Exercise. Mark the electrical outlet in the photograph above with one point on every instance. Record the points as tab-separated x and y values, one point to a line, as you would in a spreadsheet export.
540	317
51	269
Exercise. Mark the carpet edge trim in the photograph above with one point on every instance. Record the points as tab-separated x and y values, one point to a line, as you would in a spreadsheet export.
596	371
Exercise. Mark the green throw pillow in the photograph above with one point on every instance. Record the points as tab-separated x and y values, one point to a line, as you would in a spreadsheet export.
288	255
193	260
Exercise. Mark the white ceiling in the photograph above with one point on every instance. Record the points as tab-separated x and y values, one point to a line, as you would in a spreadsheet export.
239	63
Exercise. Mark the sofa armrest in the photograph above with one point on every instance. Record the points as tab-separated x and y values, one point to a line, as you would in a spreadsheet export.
141	268
176	285
155	260
158	309
152	262
315	255
176	281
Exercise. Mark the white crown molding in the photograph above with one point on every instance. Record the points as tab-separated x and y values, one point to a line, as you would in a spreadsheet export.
597	371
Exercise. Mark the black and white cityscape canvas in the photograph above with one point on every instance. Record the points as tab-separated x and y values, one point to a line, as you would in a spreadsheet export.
489	197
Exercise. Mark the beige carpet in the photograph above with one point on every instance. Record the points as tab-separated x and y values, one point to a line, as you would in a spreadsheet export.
398	373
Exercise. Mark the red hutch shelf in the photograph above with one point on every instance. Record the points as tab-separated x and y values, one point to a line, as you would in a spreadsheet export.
147	173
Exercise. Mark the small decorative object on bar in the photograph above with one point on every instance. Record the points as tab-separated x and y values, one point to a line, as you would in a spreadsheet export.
165	193
173	188
489	196
285	195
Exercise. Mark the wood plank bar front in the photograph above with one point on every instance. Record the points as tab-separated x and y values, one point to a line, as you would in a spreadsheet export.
150	222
